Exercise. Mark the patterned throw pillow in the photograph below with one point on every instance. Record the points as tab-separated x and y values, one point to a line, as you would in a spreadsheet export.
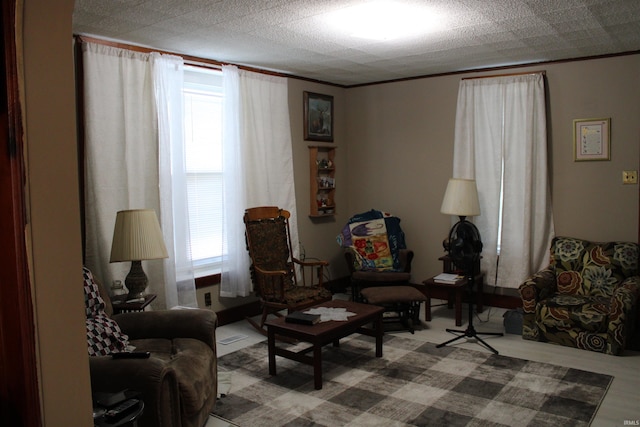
104	336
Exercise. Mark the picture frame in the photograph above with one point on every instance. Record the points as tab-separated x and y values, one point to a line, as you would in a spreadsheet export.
318	117
592	139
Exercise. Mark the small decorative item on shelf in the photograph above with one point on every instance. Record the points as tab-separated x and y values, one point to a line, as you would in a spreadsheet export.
117	288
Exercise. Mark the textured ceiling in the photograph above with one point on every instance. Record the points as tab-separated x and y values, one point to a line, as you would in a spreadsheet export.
294	37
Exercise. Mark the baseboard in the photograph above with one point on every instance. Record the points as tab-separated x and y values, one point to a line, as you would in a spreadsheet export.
502	301
339	285
235	314
241	312
488	299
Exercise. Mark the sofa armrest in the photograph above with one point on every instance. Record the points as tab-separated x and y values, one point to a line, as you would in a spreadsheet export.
350	257
405	256
620	327
628	292
537	287
150	377
186	323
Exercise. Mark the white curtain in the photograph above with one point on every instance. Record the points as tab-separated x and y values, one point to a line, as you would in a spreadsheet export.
121	158
501	142
168	81
121	152
258	164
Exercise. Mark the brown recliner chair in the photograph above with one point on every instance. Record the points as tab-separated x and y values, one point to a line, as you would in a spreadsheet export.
178	383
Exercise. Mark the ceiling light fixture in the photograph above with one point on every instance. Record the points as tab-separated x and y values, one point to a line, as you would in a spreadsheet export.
385	20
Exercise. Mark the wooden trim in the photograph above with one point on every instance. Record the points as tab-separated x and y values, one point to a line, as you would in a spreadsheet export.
204	281
80	118
241	312
491	300
506	67
19	391
193	60
209	62
238	313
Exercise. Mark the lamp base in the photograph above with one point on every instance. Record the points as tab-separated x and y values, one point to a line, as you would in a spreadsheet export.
136	281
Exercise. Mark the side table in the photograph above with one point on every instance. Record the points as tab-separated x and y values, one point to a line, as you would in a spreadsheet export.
454	295
120	304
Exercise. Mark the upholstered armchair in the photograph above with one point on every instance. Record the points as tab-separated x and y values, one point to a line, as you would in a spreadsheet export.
178	383
586	297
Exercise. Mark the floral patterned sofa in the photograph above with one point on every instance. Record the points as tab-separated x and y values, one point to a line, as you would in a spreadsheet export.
586	298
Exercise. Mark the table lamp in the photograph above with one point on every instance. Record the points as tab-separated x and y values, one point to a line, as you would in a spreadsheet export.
137	237
461	199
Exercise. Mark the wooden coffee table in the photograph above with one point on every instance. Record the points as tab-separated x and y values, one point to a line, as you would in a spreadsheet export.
323	333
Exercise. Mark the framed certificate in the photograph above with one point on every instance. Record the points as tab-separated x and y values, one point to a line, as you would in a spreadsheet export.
591	139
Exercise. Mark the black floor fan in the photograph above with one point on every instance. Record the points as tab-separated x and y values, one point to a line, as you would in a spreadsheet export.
464	249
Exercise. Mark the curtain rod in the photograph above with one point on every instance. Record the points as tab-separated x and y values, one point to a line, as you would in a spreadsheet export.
543	72
193	60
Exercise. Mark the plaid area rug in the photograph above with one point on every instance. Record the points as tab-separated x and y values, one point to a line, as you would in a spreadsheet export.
413	384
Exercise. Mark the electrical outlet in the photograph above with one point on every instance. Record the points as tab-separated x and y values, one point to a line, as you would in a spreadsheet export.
207	299
629	177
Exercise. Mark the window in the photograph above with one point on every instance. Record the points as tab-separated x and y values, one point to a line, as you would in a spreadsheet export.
500	140
203	152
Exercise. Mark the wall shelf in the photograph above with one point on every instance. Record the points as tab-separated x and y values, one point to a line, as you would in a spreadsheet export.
322	182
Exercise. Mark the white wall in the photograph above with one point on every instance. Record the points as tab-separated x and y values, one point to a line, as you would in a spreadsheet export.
54	213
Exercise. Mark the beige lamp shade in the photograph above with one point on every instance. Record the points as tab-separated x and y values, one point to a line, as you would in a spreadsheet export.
461	198
137	236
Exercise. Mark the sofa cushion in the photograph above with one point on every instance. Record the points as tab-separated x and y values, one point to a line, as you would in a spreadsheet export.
574	312
161	348
591	268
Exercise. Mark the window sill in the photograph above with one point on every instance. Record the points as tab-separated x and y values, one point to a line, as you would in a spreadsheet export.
211	280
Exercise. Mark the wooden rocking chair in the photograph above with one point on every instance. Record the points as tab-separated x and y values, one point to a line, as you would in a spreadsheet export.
273	266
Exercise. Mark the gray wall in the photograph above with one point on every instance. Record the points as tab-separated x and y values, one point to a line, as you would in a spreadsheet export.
400	152
394	147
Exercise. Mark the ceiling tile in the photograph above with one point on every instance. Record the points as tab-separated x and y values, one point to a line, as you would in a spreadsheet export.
293	36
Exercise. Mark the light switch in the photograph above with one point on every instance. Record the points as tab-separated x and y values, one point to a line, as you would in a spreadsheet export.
629	177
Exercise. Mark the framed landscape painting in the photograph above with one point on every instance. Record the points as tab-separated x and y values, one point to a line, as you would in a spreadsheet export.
318	117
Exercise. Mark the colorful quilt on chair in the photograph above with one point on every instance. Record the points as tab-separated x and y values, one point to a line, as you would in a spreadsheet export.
376	238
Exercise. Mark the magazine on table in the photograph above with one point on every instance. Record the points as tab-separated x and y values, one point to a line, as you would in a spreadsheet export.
448	278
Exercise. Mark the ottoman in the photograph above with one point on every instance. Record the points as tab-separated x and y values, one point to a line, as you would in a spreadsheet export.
403	300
